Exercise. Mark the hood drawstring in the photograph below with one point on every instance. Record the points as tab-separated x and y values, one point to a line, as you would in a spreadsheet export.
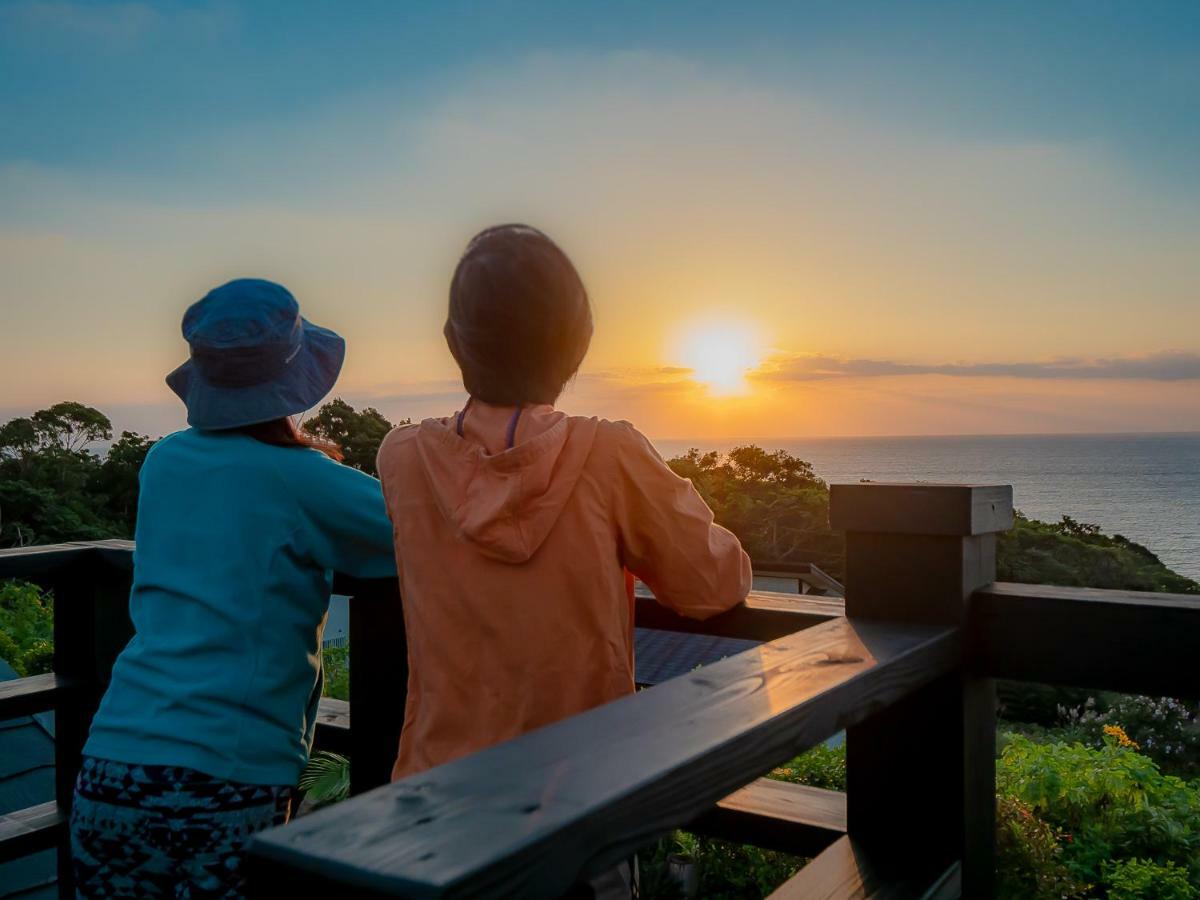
510	435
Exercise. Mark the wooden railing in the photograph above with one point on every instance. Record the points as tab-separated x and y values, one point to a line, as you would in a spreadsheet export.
903	665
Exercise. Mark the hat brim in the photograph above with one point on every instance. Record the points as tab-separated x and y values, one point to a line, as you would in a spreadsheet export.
308	378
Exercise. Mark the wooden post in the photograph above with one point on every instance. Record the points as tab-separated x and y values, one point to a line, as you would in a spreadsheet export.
378	681
921	774
91	627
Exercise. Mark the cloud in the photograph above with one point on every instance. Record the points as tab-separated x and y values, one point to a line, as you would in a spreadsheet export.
1167	366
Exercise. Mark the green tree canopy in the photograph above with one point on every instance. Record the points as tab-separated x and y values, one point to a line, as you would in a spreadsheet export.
358	434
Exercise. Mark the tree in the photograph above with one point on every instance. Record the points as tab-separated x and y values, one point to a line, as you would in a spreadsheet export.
358	434
47	477
71	426
772	500
116	482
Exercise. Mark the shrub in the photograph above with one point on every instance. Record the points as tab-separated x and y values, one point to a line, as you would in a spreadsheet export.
26	628
727	871
1161	727
822	766
1029	855
1109	804
1141	879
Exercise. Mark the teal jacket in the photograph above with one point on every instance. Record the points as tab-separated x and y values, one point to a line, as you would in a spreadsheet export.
237	542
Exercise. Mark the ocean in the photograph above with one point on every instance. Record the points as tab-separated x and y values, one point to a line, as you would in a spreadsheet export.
1144	486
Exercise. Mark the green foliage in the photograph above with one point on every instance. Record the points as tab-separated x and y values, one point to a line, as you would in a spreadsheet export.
1030	855
326	778
779	509
1074	554
1162	727
1142	879
822	766
358	434
335	662
772	501
115	484
26	628
53	488
727	871
1103	805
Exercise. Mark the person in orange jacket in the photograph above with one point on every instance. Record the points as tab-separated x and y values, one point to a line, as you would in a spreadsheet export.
516	525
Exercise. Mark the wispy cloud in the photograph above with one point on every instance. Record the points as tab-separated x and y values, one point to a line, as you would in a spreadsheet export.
1166	366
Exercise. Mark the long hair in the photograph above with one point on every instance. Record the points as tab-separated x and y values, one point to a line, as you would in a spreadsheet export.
284	433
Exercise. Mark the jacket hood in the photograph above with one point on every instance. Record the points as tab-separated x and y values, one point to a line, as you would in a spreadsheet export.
505	502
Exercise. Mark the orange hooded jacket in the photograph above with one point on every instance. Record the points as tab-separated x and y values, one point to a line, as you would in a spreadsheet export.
512	565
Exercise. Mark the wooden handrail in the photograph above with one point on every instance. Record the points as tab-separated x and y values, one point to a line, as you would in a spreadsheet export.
527	816
910	651
1133	641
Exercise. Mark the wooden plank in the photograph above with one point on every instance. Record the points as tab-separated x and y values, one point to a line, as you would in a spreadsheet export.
1136	642
530	816
32	562
378	680
333	726
30	830
930	509
764	616
37	693
846	870
776	815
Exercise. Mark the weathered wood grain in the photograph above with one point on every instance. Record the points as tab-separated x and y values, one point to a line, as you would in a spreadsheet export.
847	872
30	830
529	816
776	815
1129	641
37	693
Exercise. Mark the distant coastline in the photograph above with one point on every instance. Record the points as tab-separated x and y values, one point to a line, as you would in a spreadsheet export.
1143	485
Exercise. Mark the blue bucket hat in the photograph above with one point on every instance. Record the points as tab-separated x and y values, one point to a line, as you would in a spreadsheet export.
254	358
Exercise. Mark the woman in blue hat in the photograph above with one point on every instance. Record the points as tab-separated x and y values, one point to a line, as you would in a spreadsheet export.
209	717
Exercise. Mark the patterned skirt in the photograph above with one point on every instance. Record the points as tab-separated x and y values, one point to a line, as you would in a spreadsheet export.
165	831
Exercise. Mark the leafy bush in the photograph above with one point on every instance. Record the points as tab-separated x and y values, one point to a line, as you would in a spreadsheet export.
1029	853
1141	879
1106	804
26	628
727	871
335	662
1161	727
1073	553
822	766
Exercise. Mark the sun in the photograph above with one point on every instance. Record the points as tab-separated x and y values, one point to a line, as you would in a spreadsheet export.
720	354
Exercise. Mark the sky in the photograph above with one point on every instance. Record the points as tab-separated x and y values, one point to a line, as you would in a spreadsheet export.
793	220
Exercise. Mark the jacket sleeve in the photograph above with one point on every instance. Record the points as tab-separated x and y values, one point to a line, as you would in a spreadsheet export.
668	537
348	529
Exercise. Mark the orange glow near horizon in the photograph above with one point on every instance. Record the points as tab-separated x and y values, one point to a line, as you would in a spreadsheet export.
720	355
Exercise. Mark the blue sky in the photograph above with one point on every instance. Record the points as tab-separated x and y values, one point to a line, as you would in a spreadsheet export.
126	87
1024	175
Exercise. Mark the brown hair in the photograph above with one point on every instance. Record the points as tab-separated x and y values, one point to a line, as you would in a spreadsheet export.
284	433
519	322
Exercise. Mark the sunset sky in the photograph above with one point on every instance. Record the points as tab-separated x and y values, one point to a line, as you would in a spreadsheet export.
793	219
